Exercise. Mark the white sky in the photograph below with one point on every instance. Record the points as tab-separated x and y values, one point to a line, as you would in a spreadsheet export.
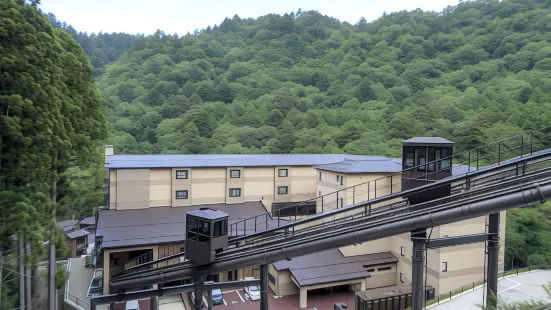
181	16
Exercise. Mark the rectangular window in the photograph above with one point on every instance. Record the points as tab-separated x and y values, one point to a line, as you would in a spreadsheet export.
342	202
220	228
401	277
232	275
181	174
235	174
320	194
235	192
272	278
81	241
338	178
282	173
409	157
444	266
342	180
181	194
320	175
371	270
282	190
183	257
384	268
402	251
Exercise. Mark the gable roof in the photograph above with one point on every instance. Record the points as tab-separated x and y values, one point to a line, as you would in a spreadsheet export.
332	266
91	220
77	234
226	160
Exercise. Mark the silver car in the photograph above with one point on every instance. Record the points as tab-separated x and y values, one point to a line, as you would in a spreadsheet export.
252	291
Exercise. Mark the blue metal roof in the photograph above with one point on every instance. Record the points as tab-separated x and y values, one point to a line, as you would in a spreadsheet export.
428	140
372	165
227	160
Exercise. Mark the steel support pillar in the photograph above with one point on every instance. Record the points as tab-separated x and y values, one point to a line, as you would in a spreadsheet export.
209	300
493	261
418	262
198	304
153	303
264	287
112	306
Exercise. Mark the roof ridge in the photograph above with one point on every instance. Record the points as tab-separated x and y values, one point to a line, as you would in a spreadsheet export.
348	170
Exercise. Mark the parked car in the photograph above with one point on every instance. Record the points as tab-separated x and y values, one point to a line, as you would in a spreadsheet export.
132	305
252	291
217	297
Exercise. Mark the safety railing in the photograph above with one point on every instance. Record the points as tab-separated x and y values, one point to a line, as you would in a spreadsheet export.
475	285
494	153
136	261
71	299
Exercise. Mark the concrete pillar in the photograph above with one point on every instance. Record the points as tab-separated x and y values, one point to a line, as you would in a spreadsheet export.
418	261
112	306
493	261
153	303
264	287
303	298
362	285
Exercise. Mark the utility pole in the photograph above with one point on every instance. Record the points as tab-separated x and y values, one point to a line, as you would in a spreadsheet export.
52	269
21	273
28	293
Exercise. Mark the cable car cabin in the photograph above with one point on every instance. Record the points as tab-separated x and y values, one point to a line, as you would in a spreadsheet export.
426	159
206	234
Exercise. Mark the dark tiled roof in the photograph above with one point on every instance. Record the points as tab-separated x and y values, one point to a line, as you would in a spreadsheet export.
124	228
91	220
77	234
428	140
226	160
68	225
375	165
332	266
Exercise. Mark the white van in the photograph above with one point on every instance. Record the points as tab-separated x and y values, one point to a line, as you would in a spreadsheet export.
132	305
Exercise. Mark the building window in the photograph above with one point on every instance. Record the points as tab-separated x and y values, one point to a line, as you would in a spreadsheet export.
402	251
384	268
282	190
338	178
342	178
272	278
235	192
342	202
401	277
282	173
232	275
320	175
181	174
81	241
235	174
371	270
183	257
444	266
220	228
320	194
181	194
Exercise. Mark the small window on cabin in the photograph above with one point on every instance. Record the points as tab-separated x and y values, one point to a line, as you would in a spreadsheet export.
282	173
220	228
421	154
181	174
445	163
409	157
235	174
181	194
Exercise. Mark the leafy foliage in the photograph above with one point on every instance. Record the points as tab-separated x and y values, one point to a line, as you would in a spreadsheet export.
51	130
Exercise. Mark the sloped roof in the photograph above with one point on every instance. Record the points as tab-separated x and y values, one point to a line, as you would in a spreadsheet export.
428	140
77	234
208	213
91	220
375	165
332	266
136	227
226	160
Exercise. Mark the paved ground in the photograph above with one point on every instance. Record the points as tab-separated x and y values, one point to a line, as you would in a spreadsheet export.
523	287
79	280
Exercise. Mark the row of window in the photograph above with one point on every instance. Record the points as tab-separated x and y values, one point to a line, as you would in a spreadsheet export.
380	269
233	192
234	174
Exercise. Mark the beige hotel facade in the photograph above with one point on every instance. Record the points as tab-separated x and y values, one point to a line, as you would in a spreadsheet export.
148	196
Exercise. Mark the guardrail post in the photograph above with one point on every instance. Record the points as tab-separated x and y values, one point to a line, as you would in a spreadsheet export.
321	204
499	152
469	165
391	183
354	195
521	145
255	224
531	142
477	157
266	221
338	199
375	189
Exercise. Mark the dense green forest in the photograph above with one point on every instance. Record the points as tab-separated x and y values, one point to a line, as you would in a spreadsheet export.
308	83
51	129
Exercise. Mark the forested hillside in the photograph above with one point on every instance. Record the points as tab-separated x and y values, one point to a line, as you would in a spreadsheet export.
51	131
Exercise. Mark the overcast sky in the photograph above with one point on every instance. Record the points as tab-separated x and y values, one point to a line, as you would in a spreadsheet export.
181	16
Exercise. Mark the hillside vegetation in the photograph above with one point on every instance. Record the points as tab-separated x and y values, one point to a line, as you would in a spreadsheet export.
308	83
52	129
